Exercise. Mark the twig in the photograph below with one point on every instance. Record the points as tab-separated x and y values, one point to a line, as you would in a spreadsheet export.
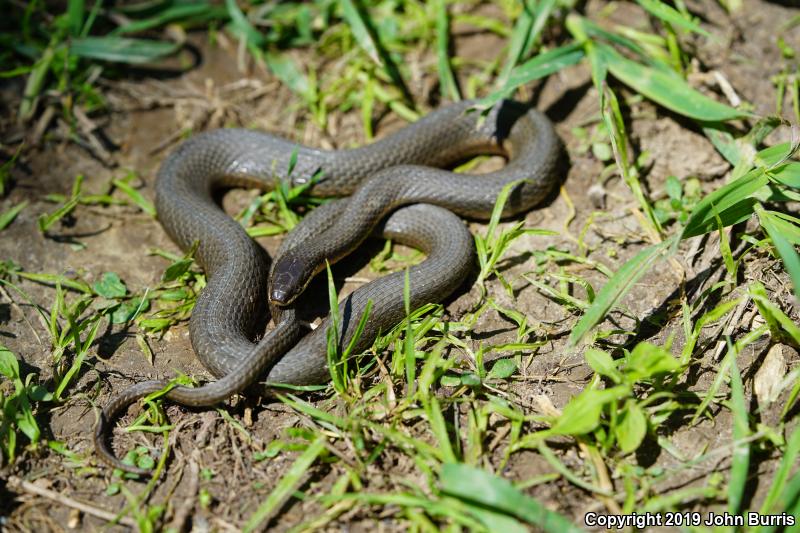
727	89
19	484
183	511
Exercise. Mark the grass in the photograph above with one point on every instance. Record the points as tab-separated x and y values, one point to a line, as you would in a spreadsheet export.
423	396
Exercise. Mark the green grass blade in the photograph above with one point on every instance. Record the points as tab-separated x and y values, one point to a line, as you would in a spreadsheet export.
583	28
539	67
740	462
615	124
287	71
362	323
794	489
35	83
733	203
79	358
409	353
361	31
787	252
671	16
439	428
723	140
476	485
447	81
368	41
518	40
75	9
197	10
775	318
323	418
336	363
617	287
722	369
9	216
776	500
90	18
135	196
46	221
287	485
242	27
670	91
788	175
526	33
121	49
403	500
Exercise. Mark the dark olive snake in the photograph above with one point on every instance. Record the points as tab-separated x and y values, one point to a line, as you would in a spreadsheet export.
402	169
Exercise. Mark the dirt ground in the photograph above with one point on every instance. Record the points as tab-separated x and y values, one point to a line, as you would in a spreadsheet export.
146	120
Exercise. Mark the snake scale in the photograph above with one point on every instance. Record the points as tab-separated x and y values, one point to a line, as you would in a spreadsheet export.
376	180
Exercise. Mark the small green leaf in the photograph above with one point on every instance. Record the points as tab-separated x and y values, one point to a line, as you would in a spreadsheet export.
47	220
582	414
145	461
75	9
177	269
631	427
368	40
110	286
673	188
35	83
38	393
647	361
777	498
602	151
450	381
26	422
503	369
9	366
526	34
127	311
470	379
602	363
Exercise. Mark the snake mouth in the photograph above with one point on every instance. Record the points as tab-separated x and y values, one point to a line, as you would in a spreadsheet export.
280	297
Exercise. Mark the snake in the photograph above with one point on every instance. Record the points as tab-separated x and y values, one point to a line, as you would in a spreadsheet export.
403	176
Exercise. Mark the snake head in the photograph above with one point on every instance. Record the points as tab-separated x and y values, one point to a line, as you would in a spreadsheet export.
289	279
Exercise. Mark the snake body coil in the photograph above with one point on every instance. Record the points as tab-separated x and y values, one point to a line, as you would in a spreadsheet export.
398	170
